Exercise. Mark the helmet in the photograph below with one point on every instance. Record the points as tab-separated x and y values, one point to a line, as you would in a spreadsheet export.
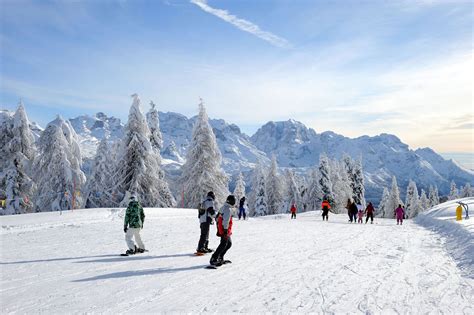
231	200
211	194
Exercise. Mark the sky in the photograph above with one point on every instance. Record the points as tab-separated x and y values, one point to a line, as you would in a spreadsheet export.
357	68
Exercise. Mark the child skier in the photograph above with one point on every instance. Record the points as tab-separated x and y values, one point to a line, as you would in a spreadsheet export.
134	219
325	206
399	213
242	208
370	213
293	211
360	214
224	230
206	215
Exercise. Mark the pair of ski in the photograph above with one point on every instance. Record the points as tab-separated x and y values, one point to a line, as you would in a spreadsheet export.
137	253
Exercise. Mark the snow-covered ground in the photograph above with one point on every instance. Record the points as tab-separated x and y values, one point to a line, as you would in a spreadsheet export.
69	263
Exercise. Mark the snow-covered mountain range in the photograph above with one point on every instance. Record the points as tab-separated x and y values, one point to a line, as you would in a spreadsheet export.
294	144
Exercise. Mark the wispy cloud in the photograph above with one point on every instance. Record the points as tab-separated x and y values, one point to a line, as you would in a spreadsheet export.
243	25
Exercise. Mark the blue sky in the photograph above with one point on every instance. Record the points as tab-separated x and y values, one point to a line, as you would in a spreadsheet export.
354	67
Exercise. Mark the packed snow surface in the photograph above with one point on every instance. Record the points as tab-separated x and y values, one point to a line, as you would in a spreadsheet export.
70	263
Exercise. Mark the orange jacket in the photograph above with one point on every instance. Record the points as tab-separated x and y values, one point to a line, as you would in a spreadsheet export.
325	204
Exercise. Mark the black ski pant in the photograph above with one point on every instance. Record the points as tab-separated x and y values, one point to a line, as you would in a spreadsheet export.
204	238
293	215
223	247
371	216
326	214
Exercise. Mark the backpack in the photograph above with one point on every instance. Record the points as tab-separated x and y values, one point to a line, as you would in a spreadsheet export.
201	209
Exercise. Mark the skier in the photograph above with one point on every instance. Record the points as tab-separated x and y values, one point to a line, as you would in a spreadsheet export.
206	215
370	213
293	211
224	230
399	213
353	210
360	214
134	219
325	206
348	207
242	208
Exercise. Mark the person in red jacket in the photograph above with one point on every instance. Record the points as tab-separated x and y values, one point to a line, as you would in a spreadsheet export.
325	206
370	213
224	231
293	211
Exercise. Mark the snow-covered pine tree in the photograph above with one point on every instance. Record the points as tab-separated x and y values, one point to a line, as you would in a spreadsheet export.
258	199
152	118
303	189
411	200
394	199
99	192
58	168
341	187
453	192
292	191
239	190
314	193
202	171
383	211
433	196
424	201
466	191
16	161
325	178
358	181
274	189
139	169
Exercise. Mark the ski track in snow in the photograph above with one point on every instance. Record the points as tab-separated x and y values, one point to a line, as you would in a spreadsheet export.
279	265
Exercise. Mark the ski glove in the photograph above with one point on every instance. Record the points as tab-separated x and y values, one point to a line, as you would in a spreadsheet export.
125	229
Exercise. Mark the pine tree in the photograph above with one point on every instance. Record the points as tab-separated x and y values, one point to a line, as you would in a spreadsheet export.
292	193
411	200
139	168
17	158
99	192
341	187
239	190
58	168
274	189
156	139
394	199
383	210
358	181
453	192
314	195
424	201
202	171
258	198
325	178
433	196
466	191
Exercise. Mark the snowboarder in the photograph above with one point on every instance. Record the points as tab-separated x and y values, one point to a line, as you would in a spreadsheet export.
224	230
370	213
206	215
134	219
399	213
293	211
242	208
325	206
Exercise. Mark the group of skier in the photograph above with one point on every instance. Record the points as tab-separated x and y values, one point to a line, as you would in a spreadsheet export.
207	215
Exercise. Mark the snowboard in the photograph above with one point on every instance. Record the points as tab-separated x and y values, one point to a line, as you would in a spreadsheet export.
199	254
225	262
125	254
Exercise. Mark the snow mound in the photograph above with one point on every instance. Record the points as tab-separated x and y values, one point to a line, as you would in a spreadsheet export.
458	236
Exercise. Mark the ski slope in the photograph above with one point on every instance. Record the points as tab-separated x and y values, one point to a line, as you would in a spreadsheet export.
70	263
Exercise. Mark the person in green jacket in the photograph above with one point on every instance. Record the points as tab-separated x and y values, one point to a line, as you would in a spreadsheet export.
134	219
